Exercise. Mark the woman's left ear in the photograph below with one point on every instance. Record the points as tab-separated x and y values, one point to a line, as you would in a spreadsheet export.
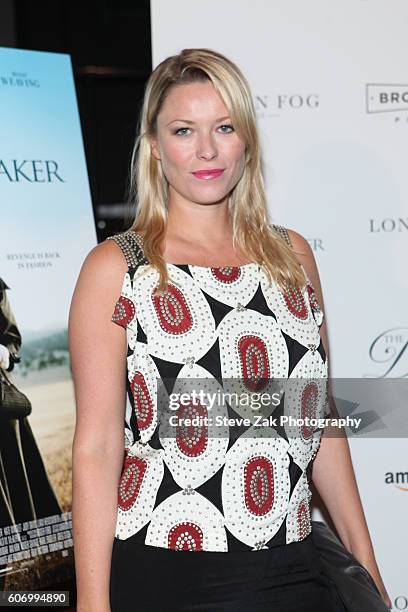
155	149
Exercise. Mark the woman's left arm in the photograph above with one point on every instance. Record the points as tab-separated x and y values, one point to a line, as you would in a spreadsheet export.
332	469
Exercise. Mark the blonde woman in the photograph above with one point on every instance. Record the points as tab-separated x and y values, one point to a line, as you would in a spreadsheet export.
201	515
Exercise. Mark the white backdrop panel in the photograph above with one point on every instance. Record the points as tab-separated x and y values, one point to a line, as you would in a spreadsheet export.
335	149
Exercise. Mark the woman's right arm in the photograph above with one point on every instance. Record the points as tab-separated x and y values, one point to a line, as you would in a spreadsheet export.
98	351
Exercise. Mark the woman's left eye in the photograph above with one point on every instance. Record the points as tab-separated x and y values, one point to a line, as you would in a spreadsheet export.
227	126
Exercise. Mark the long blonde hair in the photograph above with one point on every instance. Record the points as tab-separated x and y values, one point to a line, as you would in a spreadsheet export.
253	234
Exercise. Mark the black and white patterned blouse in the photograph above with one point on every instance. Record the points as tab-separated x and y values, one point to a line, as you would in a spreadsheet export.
216	487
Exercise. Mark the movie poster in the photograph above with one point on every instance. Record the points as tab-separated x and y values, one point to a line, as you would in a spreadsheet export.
47	228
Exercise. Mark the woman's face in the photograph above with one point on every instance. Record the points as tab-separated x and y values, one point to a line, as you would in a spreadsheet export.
195	134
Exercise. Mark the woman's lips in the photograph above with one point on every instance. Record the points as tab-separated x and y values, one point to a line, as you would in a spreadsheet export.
208	174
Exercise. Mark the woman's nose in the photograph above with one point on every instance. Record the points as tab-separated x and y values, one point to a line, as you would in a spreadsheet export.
206	147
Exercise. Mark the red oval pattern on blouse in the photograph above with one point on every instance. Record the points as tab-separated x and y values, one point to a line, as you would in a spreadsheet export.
303	523
226	274
254	362
124	311
172	311
192	439
143	401
259	485
185	536
295	302
314	304
308	407
134	469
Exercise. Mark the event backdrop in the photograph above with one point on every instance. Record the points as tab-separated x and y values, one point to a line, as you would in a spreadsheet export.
47	227
329	81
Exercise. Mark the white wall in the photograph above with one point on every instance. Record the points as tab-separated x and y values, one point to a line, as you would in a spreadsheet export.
335	148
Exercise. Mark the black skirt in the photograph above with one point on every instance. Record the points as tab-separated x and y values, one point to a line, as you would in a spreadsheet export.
284	578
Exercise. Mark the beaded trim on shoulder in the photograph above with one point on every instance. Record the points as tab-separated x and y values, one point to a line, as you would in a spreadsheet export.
280	229
131	244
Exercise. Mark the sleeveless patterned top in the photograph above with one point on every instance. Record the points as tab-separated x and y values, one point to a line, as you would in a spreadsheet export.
203	490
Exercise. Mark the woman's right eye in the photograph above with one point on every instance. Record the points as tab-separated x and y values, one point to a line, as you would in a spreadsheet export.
179	130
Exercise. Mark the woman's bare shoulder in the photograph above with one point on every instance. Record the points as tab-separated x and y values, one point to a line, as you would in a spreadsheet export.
299	242
106	260
101	275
